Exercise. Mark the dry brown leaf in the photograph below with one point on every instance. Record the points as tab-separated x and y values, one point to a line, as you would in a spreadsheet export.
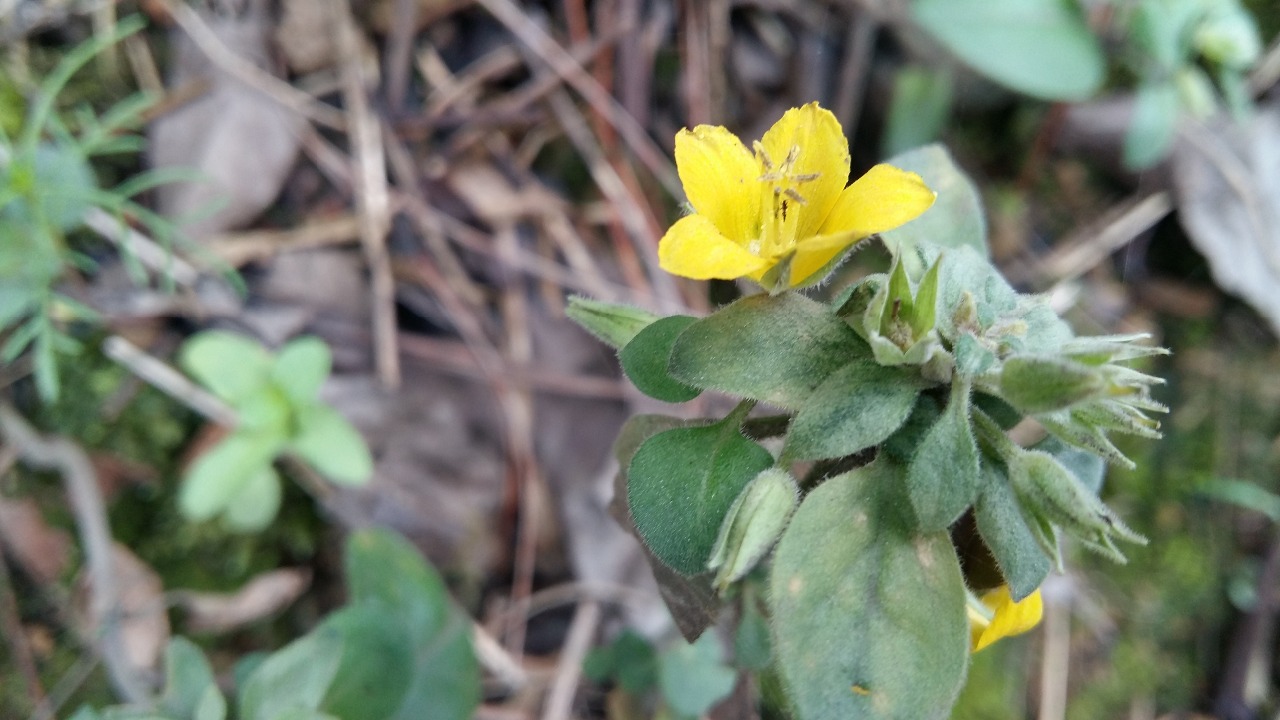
143	619
42	551
494	199
264	595
1227	180
241	142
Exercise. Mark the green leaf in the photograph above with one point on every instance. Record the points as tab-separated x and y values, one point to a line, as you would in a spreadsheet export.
693	678
377	659
681	483
753	524
1023	564
956	218
1163	29
771	348
630	659
1039	47
255	505
857	407
385	570
919	109
645	357
1089	468
943	477
222	471
1152	127
188	678
301	368
611	323
752	647
332	446
869	617
232	366
295	677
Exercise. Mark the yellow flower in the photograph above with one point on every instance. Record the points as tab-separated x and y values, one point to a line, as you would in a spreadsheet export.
1001	617
782	208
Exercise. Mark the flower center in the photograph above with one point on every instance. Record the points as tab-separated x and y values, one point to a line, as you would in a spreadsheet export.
781	202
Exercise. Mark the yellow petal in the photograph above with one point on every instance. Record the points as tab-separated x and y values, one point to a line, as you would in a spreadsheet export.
694	248
822	149
883	199
1011	618
721	179
813	254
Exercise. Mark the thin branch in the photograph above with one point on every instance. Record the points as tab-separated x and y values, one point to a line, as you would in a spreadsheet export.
170	381
64	456
559	704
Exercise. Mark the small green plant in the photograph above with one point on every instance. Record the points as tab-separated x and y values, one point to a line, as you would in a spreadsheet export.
46	188
277	412
398	650
895	398
689	678
1188	58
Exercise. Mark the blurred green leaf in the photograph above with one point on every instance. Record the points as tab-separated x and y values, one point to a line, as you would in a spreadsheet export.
692	677
644	359
255	505
1043	48
232	366
919	109
1151	130
377	662
612	323
387	573
188	680
301	368
294	678
1243	493
222	471
332	446
630	659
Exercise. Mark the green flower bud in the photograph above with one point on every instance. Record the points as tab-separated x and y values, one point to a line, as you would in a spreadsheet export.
613	324
752	525
1037	385
1048	491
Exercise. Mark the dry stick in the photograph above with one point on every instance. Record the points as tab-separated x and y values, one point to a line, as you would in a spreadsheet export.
1250	641
19	645
146	250
64	456
860	40
405	172
371	194
559	703
238	249
1057	658
695	53
246	72
168	380
559	60
615	189
1091	245
399	57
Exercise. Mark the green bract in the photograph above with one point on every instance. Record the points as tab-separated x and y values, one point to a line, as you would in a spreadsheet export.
891	404
277	412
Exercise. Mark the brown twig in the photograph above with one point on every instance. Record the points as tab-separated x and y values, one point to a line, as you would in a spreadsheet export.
371	194
559	60
559	703
85	496
855	70
246	72
168	380
239	249
1087	247
19	646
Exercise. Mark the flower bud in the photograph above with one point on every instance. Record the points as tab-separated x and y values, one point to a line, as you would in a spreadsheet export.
1046	489
1037	385
752	525
612	323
